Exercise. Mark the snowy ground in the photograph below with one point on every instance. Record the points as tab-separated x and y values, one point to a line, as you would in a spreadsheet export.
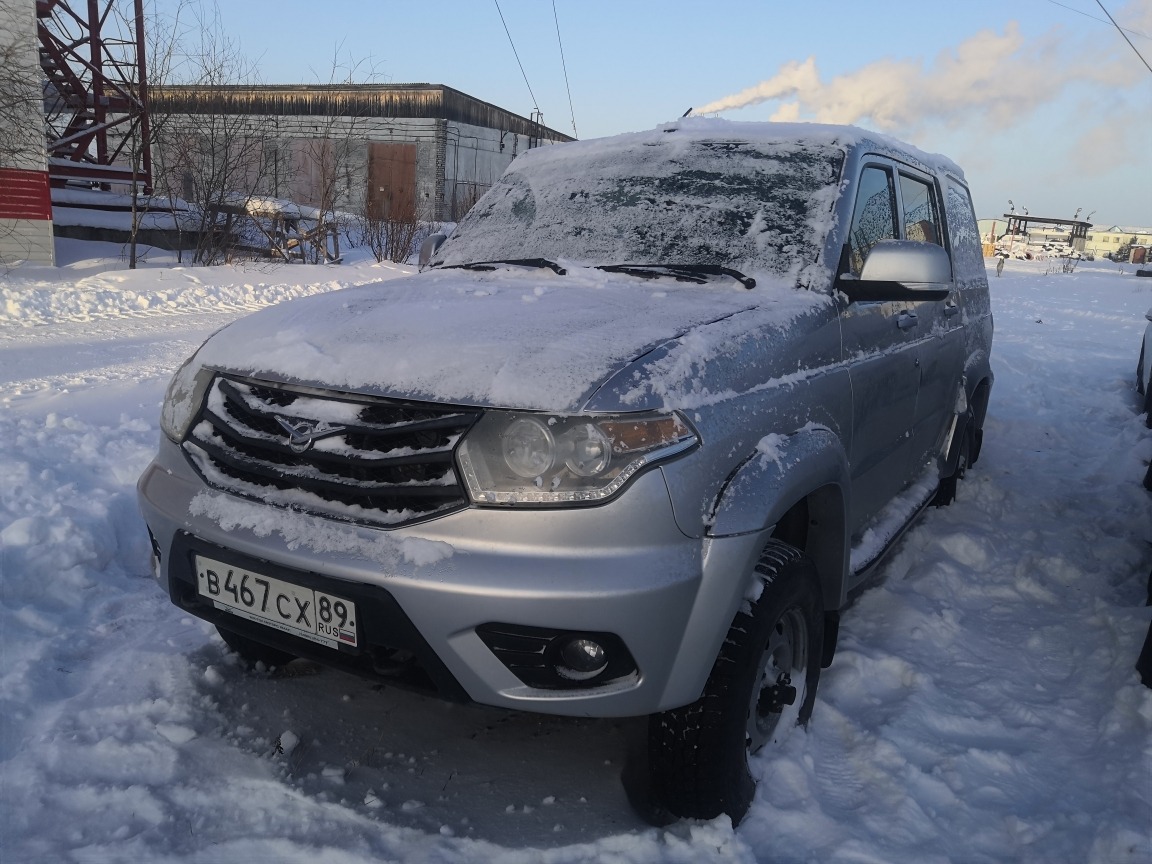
982	707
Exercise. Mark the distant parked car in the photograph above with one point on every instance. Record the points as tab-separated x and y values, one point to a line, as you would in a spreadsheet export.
623	448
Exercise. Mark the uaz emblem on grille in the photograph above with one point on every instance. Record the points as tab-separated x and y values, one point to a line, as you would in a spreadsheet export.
302	434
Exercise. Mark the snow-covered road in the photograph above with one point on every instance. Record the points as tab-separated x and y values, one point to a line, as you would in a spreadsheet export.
982	707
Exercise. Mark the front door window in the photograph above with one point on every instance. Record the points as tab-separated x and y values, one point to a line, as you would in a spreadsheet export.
874	218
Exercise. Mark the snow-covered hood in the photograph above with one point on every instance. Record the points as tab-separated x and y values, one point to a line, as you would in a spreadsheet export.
513	337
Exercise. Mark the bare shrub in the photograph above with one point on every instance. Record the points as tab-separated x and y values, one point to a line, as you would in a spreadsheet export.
395	237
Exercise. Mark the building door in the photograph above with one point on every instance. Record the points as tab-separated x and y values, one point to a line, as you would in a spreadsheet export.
391	181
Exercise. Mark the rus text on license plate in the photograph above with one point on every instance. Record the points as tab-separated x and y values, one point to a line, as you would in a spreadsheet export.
315	615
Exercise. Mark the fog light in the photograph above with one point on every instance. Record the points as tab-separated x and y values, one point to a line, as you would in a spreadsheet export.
582	659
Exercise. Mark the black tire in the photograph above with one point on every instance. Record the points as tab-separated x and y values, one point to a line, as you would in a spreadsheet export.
1148	407
252	652
1140	371
698	754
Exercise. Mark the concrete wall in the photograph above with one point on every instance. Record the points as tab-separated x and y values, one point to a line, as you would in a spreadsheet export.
347	138
26	240
475	159
25	205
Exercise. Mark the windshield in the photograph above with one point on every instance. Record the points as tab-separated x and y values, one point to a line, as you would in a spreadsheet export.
761	207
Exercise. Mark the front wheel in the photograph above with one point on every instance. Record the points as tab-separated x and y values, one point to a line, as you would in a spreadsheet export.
762	684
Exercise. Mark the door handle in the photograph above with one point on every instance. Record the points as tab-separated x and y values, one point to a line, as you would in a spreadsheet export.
950	308
907	320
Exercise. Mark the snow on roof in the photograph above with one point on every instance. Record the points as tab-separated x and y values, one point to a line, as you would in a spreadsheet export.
1122	229
267	206
713	128
71	196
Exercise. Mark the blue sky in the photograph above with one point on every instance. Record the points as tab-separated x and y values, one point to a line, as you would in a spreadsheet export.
1041	102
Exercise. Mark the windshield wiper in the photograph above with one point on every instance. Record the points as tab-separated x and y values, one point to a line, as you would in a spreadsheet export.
683	272
539	263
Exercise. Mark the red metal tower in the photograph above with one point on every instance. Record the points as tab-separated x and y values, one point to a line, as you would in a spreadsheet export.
96	81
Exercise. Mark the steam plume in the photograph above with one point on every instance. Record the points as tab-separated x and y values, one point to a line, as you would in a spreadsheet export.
998	77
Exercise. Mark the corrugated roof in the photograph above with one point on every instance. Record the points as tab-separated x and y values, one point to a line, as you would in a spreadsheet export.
409	101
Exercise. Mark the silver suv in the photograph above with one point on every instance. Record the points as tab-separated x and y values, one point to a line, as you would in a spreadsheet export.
624	447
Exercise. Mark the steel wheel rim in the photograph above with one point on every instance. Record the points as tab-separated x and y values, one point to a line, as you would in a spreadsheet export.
783	664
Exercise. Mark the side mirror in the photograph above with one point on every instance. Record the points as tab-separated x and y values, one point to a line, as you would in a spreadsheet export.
901	270
428	248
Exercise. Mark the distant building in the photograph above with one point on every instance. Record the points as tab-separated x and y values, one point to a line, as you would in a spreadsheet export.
1109	240
1020	235
378	148
1039	235
25	202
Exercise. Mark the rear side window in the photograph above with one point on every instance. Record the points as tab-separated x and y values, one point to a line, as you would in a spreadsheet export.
921	212
874	218
967	253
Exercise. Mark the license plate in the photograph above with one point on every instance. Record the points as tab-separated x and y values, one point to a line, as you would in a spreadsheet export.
315	615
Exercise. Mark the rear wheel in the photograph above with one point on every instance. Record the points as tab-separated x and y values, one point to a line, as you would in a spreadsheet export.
252	652
946	491
762	685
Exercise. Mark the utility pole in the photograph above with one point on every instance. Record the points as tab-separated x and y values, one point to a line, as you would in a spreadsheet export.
537	129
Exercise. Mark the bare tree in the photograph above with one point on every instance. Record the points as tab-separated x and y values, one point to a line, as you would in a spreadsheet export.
138	46
210	153
335	153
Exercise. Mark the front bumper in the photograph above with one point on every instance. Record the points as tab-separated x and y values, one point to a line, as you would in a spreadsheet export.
622	568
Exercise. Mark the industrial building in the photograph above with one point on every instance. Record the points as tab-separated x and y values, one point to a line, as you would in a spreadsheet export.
89	120
382	149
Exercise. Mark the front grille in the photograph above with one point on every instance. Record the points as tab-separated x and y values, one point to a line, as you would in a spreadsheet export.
356	458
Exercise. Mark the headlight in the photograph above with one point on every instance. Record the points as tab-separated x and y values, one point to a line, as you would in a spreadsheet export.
516	458
183	398
528	447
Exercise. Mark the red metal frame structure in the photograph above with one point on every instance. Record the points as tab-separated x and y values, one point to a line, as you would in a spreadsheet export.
96	80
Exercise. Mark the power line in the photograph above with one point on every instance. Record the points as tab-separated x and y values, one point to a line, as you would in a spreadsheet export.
1122	33
1101	20
517	54
564	65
